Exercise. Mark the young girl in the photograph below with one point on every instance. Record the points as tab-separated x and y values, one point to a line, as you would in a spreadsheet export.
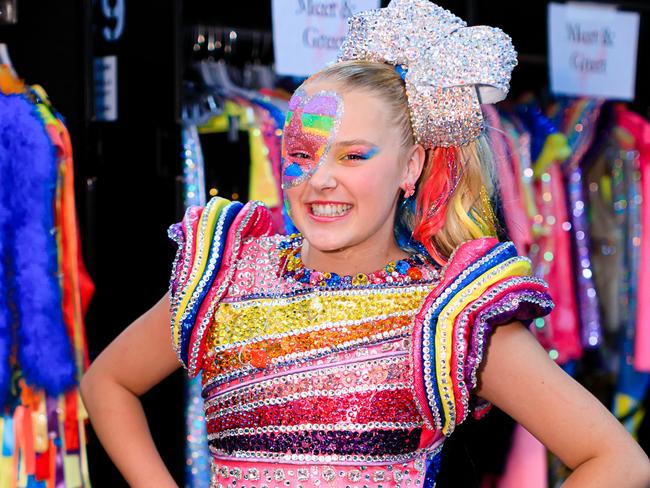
346	354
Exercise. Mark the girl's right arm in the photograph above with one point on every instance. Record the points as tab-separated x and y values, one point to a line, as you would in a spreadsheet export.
139	358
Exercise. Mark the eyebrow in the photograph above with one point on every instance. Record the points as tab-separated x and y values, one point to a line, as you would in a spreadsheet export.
354	142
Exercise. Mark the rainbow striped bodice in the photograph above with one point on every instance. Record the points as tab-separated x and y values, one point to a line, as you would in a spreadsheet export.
297	375
336	385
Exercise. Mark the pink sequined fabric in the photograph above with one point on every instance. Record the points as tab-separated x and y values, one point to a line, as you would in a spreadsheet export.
311	387
341	383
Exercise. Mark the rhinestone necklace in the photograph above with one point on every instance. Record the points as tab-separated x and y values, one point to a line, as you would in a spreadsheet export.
400	271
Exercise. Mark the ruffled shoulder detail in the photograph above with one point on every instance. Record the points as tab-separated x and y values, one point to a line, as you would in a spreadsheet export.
209	241
485	283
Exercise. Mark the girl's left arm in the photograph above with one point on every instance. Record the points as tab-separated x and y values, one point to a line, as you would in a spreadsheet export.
519	377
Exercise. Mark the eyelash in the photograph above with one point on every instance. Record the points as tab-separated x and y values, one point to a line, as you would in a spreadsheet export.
353	156
359	157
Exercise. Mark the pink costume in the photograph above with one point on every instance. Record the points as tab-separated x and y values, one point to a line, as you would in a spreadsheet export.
353	382
640	129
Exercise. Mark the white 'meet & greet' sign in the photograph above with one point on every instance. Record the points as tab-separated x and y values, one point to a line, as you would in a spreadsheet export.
592	50
307	33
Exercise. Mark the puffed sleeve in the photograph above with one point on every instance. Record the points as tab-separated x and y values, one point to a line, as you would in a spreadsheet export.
485	283
208	241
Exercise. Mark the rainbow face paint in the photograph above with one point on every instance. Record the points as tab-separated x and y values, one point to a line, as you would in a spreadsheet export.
309	131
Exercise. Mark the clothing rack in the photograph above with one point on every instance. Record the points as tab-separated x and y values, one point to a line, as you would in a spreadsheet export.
226	42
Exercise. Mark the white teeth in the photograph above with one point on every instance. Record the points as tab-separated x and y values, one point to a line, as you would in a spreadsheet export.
330	210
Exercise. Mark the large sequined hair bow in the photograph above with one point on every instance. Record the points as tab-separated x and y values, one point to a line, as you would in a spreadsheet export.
448	68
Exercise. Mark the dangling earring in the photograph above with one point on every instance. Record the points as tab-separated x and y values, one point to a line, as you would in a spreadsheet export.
409	190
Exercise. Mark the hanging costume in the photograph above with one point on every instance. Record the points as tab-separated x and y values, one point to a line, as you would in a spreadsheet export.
45	291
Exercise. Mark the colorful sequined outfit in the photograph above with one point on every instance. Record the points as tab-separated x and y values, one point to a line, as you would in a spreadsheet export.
338	384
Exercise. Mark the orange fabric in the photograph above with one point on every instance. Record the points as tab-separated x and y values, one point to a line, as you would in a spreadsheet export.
9	84
29	454
24	447
51	481
74	295
28	397
82	285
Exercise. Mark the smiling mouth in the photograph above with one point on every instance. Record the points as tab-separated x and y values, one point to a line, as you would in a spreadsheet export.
329	210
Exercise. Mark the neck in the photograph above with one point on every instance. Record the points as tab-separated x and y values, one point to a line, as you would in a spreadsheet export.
365	257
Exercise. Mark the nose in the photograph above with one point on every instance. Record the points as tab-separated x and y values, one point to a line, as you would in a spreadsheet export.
324	177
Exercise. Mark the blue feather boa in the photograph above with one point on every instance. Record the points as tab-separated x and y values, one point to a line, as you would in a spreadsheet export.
31	315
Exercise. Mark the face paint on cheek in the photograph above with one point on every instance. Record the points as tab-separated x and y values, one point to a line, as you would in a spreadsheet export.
291	170
309	131
287	206
292	175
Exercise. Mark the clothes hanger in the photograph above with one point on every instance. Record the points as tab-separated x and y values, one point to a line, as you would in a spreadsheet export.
263	72
6	60
219	69
249	75
200	104
8	12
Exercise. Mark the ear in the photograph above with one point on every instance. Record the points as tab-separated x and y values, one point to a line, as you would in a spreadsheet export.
414	164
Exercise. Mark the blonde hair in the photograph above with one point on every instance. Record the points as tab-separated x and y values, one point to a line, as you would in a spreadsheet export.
465	211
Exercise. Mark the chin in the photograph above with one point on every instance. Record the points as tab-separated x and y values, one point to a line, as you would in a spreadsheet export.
326	243
327	240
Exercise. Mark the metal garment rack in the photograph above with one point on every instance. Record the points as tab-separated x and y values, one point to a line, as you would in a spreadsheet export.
218	41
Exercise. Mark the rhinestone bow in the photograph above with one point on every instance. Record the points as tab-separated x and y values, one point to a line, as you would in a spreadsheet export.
449	69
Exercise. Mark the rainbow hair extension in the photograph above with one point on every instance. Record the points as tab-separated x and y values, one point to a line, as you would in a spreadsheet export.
437	198
432	198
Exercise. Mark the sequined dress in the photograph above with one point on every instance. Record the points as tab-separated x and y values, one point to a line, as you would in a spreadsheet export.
349	384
